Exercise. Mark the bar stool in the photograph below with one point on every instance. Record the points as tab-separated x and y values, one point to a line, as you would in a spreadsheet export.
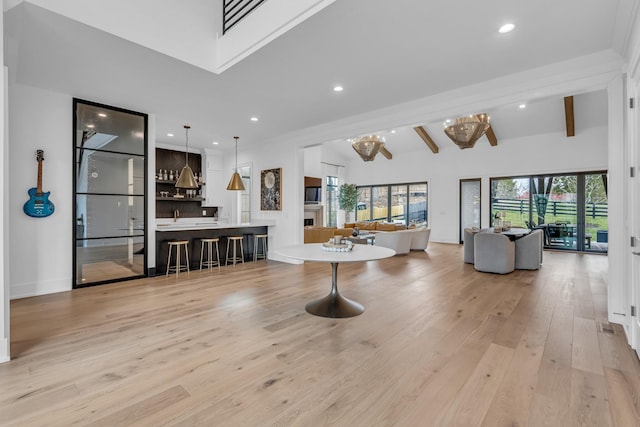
256	241
178	267
235	258
210	262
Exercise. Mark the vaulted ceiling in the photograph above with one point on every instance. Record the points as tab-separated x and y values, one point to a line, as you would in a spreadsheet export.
383	53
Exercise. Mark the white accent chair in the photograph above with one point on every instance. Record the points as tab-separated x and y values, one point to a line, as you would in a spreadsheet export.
494	253
529	251
420	238
399	241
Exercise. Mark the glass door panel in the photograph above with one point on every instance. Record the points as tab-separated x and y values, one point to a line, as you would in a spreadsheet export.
363	207
380	202
109	194
332	201
398	204
596	220
418	204
510	201
560	216
470	207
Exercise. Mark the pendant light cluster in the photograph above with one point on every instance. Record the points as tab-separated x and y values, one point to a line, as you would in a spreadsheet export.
186	179
467	130
235	184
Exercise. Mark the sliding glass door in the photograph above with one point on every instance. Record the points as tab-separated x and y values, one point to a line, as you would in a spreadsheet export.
570	208
397	203
596	213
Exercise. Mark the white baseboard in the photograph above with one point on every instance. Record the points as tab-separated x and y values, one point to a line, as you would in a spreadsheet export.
276	257
4	350
31	289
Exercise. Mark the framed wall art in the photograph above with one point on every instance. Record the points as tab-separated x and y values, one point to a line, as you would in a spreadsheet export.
271	189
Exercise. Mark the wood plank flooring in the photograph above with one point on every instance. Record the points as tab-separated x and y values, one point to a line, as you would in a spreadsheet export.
439	344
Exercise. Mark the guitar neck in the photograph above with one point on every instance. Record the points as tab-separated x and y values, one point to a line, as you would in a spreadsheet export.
39	187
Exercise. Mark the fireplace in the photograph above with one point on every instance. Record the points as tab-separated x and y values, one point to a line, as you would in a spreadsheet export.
313	213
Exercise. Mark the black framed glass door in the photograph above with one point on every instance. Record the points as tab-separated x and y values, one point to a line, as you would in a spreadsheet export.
109	200
570	208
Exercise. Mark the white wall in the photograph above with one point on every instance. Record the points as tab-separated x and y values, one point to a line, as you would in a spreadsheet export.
289	220
40	247
4	216
187	32
549	153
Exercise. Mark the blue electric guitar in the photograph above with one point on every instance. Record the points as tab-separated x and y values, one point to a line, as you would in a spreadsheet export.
38	205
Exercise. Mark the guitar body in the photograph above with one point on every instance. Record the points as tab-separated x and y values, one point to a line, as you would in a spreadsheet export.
38	205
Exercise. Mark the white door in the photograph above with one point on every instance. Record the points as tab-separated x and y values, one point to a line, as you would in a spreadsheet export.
634	220
469	204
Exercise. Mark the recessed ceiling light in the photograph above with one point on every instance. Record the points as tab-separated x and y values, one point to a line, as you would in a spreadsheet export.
90	126
522	106
215	143
102	115
506	28
338	89
393	131
254	119
169	134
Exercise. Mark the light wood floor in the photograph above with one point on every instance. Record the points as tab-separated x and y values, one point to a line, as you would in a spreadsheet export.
438	344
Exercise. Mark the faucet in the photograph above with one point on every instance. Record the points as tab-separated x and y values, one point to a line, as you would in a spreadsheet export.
176	214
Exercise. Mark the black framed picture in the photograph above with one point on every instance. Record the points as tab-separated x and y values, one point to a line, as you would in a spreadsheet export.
271	189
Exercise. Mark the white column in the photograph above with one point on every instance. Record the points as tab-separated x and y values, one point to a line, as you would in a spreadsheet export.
618	290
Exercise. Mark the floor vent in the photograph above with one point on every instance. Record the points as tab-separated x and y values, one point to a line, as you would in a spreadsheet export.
607	328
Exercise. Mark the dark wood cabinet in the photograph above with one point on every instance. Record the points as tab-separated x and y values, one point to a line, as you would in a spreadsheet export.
170	199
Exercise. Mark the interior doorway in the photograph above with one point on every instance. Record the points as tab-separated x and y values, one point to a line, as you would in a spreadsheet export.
470	204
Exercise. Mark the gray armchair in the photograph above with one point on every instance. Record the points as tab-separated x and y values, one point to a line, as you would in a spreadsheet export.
468	245
494	253
529	251
469	234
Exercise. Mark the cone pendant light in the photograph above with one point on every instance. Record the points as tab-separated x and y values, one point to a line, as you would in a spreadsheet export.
235	184
186	180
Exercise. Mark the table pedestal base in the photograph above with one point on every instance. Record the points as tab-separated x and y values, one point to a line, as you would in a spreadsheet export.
334	305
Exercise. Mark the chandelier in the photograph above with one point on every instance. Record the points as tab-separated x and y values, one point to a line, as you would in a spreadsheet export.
368	146
467	130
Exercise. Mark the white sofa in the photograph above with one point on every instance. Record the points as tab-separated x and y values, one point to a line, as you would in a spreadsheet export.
420	238
399	241
403	241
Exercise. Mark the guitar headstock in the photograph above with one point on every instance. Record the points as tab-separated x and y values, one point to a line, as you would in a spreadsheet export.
39	155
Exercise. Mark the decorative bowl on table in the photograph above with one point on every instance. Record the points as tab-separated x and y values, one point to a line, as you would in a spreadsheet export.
330	246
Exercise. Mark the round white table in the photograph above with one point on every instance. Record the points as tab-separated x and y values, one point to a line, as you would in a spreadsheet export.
334	304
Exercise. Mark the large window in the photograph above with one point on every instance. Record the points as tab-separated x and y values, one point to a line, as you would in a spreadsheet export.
399	203
332	201
570	208
245	196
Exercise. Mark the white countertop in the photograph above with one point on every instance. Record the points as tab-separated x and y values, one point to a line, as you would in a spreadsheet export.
187	224
314	252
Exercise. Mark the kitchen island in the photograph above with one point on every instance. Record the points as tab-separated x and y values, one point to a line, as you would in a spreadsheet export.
193	231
